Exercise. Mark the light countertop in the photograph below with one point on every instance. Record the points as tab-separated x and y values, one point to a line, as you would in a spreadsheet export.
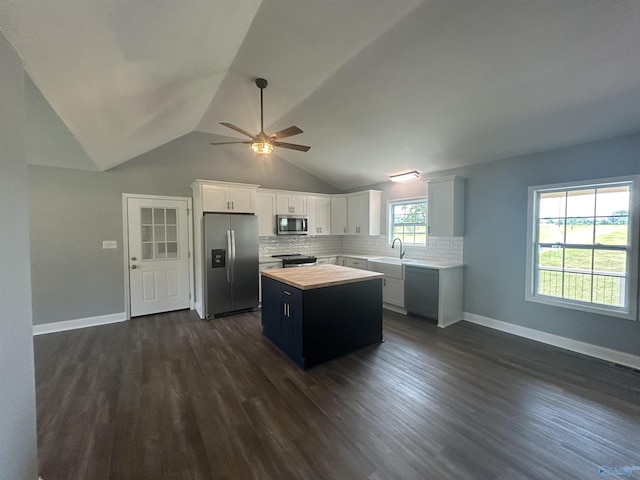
409	262
320	276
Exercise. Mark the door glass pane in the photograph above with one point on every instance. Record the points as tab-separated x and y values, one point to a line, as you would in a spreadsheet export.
147	233
172	250
171	216
147	251
158	216
159	233
160	250
172	234
145	216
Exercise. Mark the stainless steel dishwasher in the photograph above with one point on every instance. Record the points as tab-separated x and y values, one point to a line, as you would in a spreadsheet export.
421	291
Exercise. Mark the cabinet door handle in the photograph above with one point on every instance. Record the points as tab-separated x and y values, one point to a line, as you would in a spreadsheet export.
233	205
284	309
288	310
286	293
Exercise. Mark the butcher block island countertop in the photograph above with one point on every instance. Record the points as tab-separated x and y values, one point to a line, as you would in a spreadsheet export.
319	276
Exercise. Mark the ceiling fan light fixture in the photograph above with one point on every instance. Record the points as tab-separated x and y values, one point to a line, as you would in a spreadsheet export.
262	148
263	144
404	177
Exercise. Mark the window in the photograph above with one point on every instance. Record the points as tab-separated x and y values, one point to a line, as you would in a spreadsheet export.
408	221
583	246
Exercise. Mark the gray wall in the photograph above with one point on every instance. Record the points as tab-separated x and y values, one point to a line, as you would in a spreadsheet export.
495	238
73	211
18	450
496	230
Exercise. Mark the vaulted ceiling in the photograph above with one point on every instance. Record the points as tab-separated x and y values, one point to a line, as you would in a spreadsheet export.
378	86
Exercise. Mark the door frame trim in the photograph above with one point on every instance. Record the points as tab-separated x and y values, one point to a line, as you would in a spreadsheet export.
125	246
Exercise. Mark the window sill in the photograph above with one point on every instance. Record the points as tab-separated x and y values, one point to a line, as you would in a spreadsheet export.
626	314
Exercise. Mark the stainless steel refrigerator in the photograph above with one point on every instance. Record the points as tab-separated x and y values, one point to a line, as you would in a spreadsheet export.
231	263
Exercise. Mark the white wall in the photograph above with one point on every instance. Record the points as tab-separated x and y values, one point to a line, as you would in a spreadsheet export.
18	446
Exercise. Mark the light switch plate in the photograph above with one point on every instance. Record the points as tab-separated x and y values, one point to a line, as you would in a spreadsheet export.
109	244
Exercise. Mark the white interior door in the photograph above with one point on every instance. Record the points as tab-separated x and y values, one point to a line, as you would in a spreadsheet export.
158	255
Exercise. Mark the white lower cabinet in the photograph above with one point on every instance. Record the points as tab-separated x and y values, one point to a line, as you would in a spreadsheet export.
393	291
354	263
326	260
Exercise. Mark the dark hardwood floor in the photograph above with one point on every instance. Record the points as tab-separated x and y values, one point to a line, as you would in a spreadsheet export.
174	397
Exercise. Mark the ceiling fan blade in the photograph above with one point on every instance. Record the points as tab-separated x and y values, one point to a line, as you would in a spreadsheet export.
237	129
292	146
287	132
227	143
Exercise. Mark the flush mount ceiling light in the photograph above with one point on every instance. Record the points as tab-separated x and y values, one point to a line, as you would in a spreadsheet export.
404	177
262	143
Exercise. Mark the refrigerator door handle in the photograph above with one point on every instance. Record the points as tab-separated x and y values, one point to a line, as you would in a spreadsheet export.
229	255
233	253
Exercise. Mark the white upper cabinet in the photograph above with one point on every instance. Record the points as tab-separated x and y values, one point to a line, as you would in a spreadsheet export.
363	213
445	207
319	212
266	211
338	215
291	204
226	197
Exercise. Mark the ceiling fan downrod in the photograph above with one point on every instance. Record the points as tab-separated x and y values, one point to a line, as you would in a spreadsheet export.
261	83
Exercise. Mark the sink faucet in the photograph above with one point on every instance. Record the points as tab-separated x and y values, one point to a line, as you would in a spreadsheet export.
393	245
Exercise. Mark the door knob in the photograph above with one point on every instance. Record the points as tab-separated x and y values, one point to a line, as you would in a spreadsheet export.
133	267
133	258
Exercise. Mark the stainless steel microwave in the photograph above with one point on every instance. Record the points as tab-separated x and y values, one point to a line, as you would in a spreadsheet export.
292	224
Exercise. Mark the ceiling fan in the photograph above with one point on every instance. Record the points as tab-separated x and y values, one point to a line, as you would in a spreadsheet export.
263	143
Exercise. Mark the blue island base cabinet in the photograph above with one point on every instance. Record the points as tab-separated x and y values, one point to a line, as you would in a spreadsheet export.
319	324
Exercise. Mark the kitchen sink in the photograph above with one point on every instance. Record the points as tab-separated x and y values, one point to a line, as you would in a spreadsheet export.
388	260
391	267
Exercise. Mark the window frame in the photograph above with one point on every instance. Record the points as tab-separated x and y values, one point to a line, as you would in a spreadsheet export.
631	279
406	201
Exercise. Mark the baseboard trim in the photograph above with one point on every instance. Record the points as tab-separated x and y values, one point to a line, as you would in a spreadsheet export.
577	346
78	323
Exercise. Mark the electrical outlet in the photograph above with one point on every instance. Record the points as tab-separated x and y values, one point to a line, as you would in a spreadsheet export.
109	244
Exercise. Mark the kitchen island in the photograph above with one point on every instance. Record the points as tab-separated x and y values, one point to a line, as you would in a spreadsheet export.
315	314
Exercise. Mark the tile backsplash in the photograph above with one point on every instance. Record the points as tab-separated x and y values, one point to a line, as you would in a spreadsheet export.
300	244
438	248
